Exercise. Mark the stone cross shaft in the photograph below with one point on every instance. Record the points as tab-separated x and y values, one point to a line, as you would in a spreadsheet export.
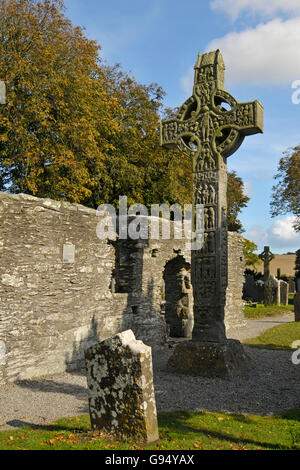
209	127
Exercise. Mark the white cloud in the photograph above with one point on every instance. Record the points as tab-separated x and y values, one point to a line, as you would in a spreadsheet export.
234	8
248	188
282	230
280	236
266	54
187	81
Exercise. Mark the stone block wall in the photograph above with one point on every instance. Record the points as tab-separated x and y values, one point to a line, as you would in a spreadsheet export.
51	309
234	317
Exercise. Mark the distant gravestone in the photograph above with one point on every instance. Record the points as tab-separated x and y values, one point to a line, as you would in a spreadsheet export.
120	387
284	293
292	286
297	306
249	287
259	292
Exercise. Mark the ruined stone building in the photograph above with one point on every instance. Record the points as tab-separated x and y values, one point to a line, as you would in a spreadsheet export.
63	289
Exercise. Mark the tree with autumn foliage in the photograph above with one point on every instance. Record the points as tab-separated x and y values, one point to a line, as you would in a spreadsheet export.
136	165
76	129
236	201
58	116
73	128
286	193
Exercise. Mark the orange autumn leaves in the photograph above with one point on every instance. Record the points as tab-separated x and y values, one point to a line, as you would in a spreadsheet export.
58	114
77	129
74	129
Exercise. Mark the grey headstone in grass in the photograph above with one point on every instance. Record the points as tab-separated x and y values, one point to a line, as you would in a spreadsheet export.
284	293
120	387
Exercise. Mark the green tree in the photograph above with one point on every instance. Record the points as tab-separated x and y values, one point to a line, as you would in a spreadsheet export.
76	129
251	258
286	193
136	165
236	201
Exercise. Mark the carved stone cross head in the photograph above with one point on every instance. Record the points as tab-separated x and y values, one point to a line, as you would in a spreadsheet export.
266	256
211	125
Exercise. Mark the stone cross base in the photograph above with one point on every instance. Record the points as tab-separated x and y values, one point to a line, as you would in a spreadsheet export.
224	360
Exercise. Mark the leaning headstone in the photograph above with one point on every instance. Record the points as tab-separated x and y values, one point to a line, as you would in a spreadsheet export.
284	293
297	306
209	133
120	387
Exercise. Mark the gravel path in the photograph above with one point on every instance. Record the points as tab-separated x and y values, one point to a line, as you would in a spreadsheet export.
273	386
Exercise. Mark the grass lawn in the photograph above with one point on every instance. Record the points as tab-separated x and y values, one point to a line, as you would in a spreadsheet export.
178	431
261	311
278	337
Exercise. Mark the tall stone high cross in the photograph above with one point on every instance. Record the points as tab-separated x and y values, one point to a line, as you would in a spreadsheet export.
209	127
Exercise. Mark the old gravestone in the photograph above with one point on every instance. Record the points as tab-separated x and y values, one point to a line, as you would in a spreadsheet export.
297	306
284	293
292	286
120	387
210	127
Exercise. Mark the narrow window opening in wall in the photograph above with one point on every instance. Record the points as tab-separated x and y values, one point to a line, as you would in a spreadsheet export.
135	309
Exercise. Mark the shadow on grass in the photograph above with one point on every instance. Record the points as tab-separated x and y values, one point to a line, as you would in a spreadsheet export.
293	415
178	424
18	424
269	346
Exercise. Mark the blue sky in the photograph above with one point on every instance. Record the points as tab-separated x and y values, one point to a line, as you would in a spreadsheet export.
158	41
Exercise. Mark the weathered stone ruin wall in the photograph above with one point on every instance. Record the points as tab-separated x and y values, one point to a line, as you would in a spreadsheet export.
51	310
234	317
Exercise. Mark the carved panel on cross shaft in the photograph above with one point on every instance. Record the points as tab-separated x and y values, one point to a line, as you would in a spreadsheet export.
206	194
205	293
209	218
